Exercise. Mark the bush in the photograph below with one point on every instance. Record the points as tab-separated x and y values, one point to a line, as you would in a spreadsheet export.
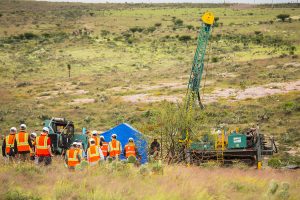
151	29
136	29
157	24
190	27
274	163
289	107
283	17
272	187
178	22
184	38
16	194
30	36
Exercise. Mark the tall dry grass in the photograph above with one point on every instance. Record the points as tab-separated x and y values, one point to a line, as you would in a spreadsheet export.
119	181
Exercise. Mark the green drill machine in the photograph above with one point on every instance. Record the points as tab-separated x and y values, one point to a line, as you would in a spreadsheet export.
62	134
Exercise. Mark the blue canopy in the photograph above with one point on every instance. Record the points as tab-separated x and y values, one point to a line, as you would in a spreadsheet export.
124	132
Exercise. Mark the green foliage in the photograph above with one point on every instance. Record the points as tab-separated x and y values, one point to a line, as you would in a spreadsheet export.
178	22
104	33
151	29
274	163
289	107
190	27
273	186
136	29
17	194
283	193
184	38
215	59
283	17
210	164
157	24
131	159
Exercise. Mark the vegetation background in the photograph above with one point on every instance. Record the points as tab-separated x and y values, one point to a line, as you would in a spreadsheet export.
103	64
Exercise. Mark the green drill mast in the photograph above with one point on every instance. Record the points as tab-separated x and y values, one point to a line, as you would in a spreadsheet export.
198	62
193	90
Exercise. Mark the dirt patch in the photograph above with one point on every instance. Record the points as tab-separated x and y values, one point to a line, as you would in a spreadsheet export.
82	101
146	98
232	94
144	88
55	93
172	86
253	92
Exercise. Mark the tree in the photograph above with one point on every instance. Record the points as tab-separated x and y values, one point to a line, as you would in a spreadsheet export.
283	17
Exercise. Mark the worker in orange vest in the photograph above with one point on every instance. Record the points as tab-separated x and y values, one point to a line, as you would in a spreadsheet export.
130	149
94	153
9	146
32	150
43	147
80	150
73	157
104	146
23	143
96	138
114	147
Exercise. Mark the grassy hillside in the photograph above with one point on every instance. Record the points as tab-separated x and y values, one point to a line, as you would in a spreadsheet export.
126	59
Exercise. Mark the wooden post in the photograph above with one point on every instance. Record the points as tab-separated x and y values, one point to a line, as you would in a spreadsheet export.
69	68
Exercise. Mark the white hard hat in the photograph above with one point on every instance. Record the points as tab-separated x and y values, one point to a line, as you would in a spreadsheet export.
92	140
33	134
101	136
74	144
46	129
130	139
13	129
23	126
114	135
95	132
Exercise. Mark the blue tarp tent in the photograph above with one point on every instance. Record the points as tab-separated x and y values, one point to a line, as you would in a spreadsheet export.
124	132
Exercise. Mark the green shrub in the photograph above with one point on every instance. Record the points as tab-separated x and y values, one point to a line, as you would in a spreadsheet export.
272	187
284	191
289	107
274	163
283	17
151	29
178	22
131	159
157	24
16	194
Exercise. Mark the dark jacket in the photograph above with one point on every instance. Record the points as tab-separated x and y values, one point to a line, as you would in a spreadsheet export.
4	148
153	146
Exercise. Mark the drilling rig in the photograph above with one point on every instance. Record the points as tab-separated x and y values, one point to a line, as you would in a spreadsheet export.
224	146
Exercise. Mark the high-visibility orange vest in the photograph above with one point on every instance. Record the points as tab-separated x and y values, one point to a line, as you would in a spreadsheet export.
22	141
79	151
97	140
41	146
72	155
93	153
130	150
114	148
104	148
9	142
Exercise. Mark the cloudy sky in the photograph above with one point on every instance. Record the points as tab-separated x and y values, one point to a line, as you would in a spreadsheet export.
180	1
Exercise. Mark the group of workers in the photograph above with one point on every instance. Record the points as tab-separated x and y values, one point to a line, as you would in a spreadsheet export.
98	149
22	146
